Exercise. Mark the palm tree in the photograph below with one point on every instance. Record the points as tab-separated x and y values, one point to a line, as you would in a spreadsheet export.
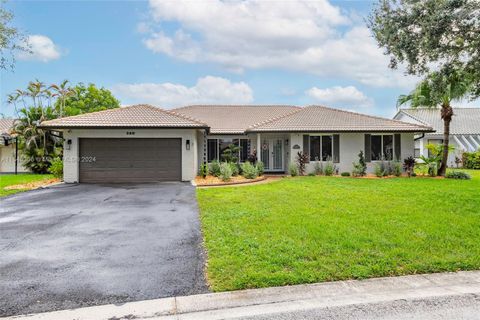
39	146
62	92
440	89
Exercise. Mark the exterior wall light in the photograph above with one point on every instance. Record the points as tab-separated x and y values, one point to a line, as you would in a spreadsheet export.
187	144
69	144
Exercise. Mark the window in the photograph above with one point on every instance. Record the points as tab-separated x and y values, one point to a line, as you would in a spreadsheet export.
216	147
314	148
417	153
243	150
382	147
212	150
321	148
327	148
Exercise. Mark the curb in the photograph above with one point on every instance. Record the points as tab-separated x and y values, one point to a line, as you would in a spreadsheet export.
268	301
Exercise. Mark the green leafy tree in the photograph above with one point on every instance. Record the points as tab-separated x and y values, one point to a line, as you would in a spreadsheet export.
11	39
230	154
83	99
430	35
436	90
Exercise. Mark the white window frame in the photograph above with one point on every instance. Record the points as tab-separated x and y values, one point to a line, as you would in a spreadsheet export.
321	147
381	146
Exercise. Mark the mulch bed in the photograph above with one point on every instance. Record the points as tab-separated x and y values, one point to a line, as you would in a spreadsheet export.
211	181
32	185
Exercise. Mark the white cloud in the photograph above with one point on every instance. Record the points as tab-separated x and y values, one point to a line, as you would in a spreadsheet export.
207	90
340	96
42	49
306	36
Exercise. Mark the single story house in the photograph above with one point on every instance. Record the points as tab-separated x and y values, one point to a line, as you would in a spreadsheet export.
464	130
10	157
144	143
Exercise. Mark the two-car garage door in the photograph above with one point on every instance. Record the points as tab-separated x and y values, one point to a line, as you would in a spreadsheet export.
112	160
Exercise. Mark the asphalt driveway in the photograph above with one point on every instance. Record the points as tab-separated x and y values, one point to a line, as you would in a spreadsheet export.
80	245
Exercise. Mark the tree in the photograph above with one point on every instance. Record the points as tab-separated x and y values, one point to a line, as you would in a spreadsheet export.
436	90
83	99
11	39
62	92
39	147
40	103
430	35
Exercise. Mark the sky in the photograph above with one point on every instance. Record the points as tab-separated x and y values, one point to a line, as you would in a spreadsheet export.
174	53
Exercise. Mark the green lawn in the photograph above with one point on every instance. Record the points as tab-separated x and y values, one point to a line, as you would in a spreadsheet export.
312	229
11	179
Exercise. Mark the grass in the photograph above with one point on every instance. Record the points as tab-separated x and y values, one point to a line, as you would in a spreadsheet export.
313	229
12	179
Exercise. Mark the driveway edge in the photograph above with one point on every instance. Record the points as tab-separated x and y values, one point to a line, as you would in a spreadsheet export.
280	299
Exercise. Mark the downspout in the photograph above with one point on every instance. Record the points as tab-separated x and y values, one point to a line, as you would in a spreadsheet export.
421	137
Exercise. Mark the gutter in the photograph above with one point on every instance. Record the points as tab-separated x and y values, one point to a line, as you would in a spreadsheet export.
421	137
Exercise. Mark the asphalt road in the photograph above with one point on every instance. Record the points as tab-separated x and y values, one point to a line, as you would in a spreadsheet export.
81	245
455	307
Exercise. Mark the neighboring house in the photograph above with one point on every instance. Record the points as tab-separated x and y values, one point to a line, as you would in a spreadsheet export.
10	158
143	143
464	130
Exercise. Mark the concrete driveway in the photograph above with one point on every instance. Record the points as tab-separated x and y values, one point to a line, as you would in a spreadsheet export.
81	245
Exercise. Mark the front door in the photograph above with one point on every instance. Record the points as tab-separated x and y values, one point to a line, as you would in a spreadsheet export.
272	155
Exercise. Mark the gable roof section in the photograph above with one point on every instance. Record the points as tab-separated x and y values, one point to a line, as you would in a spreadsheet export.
6	125
136	116
465	120
323	119
235	119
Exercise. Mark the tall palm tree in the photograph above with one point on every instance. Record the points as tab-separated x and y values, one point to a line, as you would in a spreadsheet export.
440	90
62	92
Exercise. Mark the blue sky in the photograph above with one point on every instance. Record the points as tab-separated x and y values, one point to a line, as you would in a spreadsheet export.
171	53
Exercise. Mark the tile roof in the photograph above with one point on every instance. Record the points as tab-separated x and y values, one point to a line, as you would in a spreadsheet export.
323	119
235	119
136	116
465	120
6	125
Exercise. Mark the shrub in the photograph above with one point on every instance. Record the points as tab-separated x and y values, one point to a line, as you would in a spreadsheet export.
458	175
409	165
260	167
249	171
360	167
302	159
293	169
345	174
56	168
471	160
225	171
203	171
318	168
235	168
311	174
396	168
379	169
215	168
329	168
230	154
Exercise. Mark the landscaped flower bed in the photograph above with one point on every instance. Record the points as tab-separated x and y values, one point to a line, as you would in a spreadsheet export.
216	181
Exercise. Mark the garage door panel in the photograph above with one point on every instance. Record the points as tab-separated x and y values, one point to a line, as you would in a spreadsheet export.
130	160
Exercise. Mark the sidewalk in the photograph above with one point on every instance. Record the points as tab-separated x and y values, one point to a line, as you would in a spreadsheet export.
270	301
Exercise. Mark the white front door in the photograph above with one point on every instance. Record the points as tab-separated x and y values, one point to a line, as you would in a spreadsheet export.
272	154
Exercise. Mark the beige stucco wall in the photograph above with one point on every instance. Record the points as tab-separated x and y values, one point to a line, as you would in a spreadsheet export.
71	160
7	160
